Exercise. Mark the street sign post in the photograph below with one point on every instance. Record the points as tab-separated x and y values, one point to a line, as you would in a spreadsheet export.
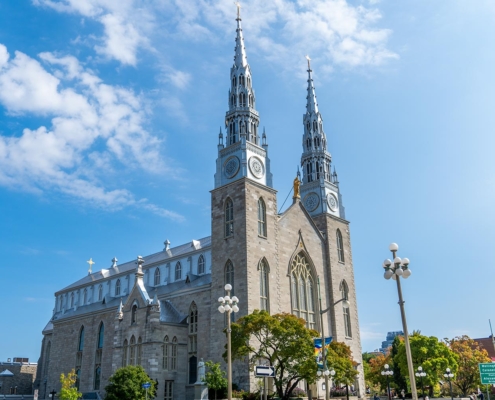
264	372
146	386
487	373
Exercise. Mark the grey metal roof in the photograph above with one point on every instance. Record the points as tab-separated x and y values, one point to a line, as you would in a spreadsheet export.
129	266
168	312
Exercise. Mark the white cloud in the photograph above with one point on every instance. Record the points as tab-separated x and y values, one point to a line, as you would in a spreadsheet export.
125	22
88	119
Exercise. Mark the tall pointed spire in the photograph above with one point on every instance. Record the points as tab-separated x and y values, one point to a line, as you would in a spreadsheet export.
241	125
240	58
319	191
311	104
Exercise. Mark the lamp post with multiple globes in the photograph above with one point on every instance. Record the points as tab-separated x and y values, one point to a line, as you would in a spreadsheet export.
388	373
449	375
421	374
228	305
396	269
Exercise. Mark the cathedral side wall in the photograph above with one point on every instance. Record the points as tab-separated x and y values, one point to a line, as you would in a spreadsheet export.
64	345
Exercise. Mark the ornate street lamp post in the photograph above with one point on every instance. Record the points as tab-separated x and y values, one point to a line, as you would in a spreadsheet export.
325	371
388	373
421	374
449	375
228	305
395	269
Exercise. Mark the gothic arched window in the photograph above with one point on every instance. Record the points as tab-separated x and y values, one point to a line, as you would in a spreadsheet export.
47	358
124	353
193	369
85	297
178	271
344	292
303	290
157	277
117	288
139	351
80	347
201	265
229	275
99	356
134	314
166	353
261	218
100	293
340	246
264	288
229	218
72	300
132	351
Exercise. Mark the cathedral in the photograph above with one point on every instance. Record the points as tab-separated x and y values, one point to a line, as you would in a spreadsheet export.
160	311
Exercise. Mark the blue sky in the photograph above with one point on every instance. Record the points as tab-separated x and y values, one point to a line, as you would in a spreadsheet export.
110	111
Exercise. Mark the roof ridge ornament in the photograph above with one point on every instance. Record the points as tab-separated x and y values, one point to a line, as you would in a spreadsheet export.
90	262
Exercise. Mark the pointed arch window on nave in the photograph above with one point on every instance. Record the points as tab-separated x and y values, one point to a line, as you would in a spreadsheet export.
303	295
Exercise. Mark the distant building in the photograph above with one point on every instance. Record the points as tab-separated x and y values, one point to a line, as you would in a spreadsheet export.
17	377
386	344
488	344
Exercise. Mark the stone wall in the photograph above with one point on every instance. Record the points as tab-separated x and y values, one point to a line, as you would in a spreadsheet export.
23	379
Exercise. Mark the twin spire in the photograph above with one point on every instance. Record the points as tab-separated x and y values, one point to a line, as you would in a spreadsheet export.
240	58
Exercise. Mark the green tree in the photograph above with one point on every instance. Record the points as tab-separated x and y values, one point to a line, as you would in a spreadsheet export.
399	377
431	354
215	378
126	384
69	390
469	355
376	365
280	340
339	357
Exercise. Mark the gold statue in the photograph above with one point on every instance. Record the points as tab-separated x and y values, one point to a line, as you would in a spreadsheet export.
297	183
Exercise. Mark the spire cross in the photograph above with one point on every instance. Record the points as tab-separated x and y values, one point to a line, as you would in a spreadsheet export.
238	9
309	59
90	262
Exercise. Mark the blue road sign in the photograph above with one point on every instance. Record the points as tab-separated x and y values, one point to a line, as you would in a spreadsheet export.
146	385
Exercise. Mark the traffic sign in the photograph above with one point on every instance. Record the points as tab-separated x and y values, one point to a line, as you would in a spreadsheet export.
146	385
487	373
264	372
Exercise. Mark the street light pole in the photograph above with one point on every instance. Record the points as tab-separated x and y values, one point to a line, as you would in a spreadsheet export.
326	372
388	372
449	375
421	374
228	305
395	269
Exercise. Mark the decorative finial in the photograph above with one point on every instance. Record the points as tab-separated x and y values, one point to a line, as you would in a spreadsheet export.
309	64
298	173
120	314
167	245
114	262
238	9
90	262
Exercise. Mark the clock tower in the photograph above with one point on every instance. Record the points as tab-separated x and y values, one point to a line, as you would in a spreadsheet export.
242	153
320	187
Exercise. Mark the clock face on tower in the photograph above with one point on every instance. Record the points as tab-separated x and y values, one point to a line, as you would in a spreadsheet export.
311	201
332	202
231	167
256	167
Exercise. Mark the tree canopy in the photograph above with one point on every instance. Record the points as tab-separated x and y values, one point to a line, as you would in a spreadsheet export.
339	357
431	354
280	340
126	384
469	355
215	378
69	390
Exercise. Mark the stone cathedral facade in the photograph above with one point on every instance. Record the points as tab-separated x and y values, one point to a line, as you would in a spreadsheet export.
160	311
